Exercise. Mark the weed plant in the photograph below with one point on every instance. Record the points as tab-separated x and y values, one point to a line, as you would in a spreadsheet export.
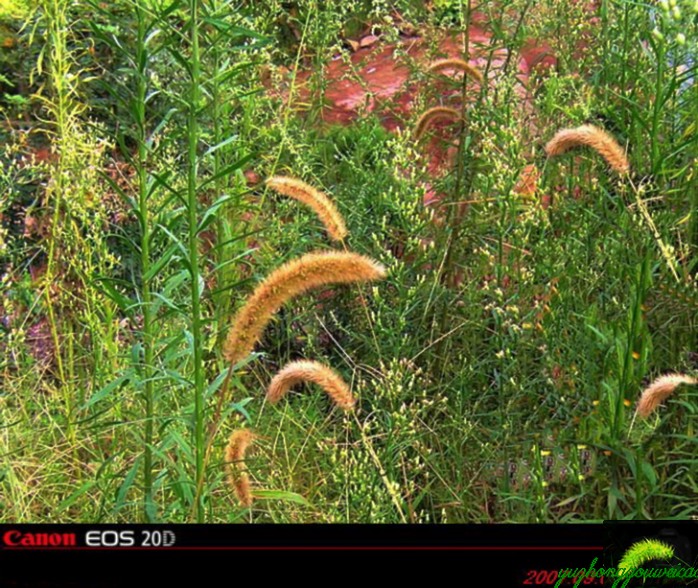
493	374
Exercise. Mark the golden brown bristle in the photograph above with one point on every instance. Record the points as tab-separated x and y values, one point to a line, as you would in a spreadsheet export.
659	390
456	64
311	371
590	136
239	442
291	279
318	201
430	116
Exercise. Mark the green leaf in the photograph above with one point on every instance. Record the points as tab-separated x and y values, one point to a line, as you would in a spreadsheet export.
68	502
106	287
161	262
108	389
220	145
649	473
240	407
126	485
280	495
210	214
228	170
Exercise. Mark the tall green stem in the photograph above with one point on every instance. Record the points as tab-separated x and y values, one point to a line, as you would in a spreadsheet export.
224	236
141	89
452	216
192	205
57	25
655	136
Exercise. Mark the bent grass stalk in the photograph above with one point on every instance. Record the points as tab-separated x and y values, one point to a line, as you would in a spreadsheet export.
311	371
590	136
240	440
317	201
286	282
430	116
659	390
456	64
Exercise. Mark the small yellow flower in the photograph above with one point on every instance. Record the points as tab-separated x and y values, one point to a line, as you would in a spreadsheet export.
636	355
627	403
595	403
545	452
580	446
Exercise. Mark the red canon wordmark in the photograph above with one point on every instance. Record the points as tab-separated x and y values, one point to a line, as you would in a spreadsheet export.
14	538
550	577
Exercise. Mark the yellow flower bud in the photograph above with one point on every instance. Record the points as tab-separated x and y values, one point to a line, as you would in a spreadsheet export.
656	33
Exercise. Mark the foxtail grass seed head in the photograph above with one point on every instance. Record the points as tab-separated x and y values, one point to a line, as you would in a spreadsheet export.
284	283
590	136
239	480
430	116
315	372
659	390
642	552
315	200
456	64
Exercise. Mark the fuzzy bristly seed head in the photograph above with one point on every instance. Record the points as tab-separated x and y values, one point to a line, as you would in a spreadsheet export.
314	199
643	551
659	390
590	136
456	64
430	116
292	279
315	372
239	442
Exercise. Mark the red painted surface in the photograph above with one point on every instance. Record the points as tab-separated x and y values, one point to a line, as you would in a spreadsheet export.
385	79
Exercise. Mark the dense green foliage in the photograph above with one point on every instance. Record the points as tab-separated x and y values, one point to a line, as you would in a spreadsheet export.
496	368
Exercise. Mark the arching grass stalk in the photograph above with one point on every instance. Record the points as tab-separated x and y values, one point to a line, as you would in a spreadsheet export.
193	253
295	277
311	371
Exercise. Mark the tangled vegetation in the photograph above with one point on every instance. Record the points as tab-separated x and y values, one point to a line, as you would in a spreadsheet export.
487	250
